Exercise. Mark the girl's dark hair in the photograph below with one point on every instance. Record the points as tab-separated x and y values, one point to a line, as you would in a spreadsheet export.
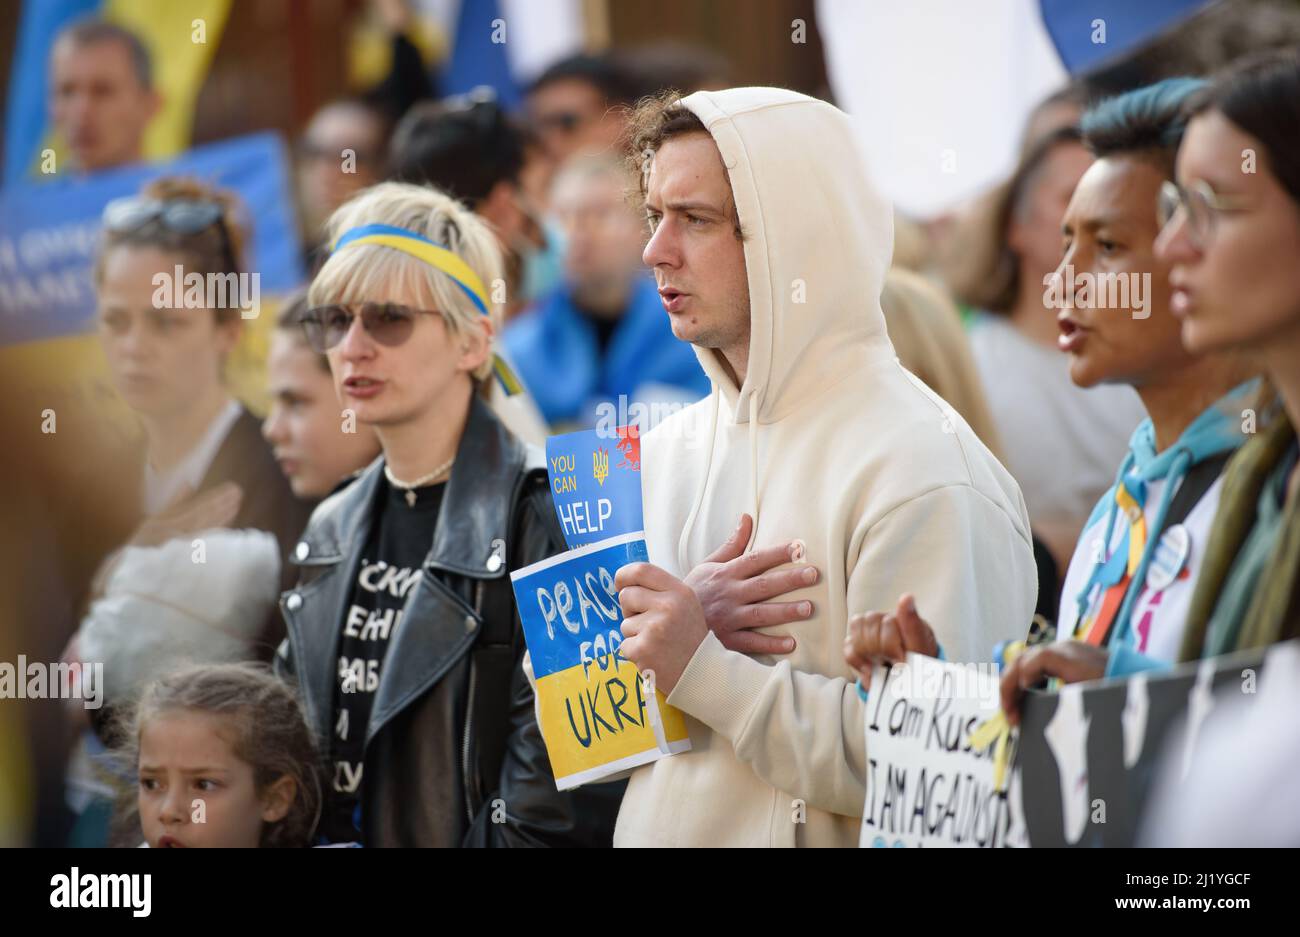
271	734
217	249
289	321
1261	95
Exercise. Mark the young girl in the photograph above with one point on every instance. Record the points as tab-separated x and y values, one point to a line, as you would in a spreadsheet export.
307	426
223	757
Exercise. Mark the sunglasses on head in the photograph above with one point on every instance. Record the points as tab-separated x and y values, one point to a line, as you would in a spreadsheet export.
389	324
183	216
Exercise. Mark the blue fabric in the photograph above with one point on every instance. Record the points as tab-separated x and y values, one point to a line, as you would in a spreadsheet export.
1124	661
27	112
476	59
1214	431
554	348
1128	25
66	211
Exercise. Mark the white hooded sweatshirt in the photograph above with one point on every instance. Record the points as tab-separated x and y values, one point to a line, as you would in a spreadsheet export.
829	441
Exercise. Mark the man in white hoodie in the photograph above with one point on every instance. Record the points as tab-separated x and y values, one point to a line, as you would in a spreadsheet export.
769	246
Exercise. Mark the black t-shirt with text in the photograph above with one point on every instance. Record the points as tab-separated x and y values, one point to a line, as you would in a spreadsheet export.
391	565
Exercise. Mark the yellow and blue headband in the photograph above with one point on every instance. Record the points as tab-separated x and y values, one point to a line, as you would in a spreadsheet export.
440	258
421	248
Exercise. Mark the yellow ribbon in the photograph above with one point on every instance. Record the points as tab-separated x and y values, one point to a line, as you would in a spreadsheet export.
997	728
1137	527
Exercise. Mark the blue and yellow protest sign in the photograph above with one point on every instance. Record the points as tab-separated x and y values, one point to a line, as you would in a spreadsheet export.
593	708
596	484
49	235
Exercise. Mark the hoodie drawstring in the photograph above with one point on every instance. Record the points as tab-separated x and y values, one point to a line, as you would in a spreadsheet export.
682	566
682	561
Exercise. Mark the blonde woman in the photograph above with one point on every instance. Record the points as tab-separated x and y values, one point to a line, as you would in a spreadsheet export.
403	633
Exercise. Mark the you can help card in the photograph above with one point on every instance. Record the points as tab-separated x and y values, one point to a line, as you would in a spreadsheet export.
597	715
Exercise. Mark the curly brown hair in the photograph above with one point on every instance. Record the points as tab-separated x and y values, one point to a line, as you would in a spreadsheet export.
652	123
271	734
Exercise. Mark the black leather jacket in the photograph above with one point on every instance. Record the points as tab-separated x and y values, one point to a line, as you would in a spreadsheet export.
453	754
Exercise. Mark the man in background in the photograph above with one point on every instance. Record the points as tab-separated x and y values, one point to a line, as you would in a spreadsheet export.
341	152
469	148
102	96
576	105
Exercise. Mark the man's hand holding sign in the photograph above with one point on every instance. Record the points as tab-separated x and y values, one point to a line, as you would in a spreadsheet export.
590	612
663	622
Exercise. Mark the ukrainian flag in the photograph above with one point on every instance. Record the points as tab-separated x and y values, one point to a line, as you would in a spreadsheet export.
181	36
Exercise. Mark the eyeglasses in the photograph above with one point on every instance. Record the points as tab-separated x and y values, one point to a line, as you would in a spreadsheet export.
186	217
389	324
1200	205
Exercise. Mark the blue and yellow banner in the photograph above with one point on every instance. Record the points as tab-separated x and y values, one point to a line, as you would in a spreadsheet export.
49	235
181	37
597	715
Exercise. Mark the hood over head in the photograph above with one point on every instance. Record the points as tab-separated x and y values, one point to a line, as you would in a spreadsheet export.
819	238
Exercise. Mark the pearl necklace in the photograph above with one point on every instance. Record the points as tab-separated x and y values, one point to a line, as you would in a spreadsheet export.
409	487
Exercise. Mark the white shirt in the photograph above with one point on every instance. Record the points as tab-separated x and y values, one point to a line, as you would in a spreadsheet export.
1159	615
161	488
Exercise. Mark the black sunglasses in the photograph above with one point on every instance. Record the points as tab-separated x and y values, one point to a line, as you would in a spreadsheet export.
389	324
186	217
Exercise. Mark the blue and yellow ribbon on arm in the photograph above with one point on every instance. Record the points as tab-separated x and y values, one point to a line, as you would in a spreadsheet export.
442	259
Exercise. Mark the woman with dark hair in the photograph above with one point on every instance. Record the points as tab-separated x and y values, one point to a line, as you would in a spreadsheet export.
316	441
1135	566
1232	238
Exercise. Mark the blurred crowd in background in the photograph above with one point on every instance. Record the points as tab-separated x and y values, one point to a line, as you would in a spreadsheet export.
231	422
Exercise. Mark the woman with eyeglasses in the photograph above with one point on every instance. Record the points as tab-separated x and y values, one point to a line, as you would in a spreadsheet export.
1232	238
403	633
316	442
1233	241
1135	566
